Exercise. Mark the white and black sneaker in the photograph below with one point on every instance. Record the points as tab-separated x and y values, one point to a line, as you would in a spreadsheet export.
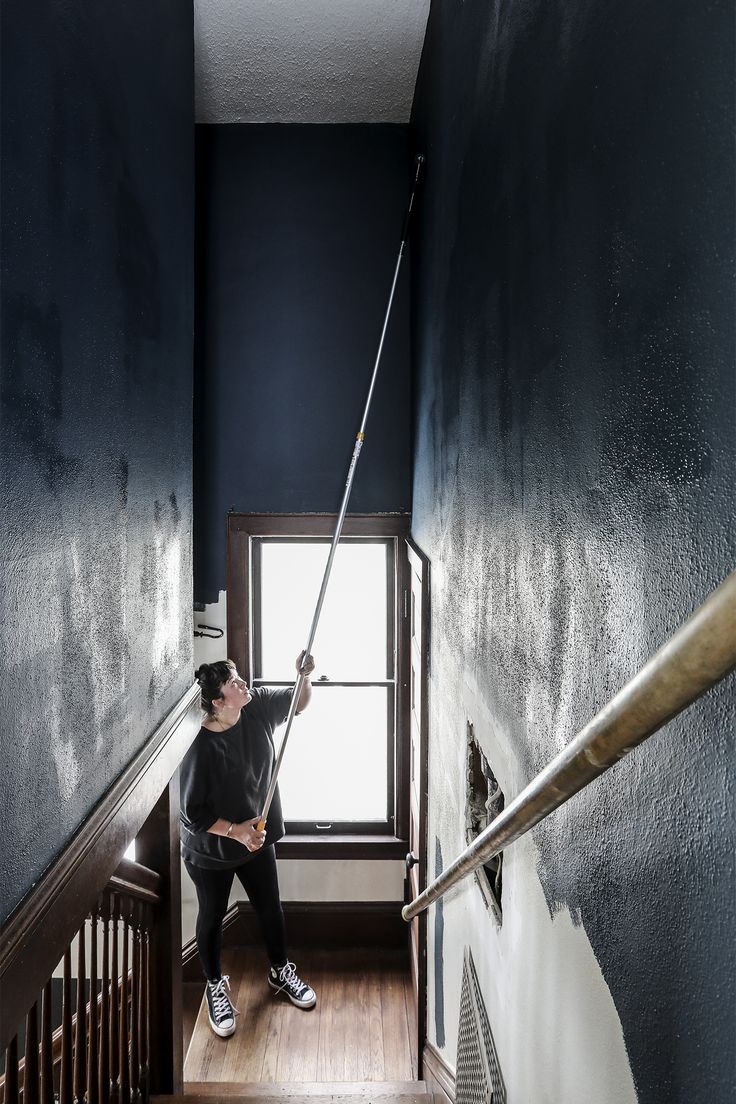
221	1010
284	979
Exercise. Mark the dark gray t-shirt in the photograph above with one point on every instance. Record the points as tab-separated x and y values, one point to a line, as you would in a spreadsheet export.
226	774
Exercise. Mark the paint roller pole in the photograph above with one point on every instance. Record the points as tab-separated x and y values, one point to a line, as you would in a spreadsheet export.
359	439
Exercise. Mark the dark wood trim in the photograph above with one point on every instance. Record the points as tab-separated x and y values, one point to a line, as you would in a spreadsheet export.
403	671
319	525
157	844
440	1079
341	847
315	924
241	528
135	880
45	922
422	562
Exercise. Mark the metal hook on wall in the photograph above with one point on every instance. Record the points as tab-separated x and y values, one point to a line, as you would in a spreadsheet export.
213	632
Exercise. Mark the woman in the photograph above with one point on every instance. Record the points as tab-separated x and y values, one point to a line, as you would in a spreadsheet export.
224	779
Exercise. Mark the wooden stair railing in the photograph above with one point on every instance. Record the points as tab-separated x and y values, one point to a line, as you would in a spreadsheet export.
121	920
77	1061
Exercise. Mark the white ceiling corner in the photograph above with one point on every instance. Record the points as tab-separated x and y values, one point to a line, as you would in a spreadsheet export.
307	61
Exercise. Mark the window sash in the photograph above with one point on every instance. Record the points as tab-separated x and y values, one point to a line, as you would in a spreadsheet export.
257	543
381	827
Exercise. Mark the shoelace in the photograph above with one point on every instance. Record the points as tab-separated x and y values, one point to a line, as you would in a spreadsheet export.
287	974
221	1003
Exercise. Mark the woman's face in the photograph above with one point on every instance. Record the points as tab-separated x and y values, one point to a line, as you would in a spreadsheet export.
234	693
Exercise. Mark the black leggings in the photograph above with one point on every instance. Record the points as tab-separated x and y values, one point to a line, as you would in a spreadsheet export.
260	881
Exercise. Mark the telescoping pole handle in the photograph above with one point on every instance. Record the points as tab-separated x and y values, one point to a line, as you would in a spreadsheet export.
359	439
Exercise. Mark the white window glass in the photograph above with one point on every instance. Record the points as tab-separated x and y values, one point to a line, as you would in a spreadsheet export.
335	766
352	634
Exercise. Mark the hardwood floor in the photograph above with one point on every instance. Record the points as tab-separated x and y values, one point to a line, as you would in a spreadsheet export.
358	1031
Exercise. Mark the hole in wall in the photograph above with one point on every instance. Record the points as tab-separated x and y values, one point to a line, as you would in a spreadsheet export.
485	802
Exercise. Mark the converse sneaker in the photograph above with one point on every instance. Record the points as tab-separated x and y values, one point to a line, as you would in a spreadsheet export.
221	1010
284	979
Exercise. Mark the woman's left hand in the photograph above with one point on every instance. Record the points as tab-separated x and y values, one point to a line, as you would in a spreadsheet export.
249	834
305	664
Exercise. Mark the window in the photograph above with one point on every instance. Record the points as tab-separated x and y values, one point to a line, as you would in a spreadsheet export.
342	778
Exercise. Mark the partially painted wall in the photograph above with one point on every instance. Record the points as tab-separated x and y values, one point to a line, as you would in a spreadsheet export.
574	427
95	437
298	229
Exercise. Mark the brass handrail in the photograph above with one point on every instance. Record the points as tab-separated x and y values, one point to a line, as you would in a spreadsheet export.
694	659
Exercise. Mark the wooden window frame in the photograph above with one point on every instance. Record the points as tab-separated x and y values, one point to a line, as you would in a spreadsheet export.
242	529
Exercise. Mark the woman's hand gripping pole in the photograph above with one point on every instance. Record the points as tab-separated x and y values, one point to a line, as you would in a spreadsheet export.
304	667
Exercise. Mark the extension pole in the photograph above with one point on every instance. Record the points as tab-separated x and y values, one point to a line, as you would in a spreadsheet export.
360	438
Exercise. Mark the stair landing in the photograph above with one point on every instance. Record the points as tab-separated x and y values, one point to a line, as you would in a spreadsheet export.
358	1033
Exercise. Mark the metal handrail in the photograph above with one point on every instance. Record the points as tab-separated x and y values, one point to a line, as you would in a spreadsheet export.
694	659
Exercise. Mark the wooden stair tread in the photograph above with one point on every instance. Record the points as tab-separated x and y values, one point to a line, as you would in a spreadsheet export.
305	1088
318	1092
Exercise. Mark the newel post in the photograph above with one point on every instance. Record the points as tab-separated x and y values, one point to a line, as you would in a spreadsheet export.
157	847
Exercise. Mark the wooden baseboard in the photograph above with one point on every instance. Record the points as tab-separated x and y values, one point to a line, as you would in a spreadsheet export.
438	1076
320	924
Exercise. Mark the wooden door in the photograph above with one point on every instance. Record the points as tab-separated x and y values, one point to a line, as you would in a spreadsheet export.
416	861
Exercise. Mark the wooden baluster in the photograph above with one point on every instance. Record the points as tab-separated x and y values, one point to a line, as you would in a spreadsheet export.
114	1005
124	1058
92	1042
30	1071
11	1072
103	1091
135	1006
80	1033
143	1044
65	1084
47	1048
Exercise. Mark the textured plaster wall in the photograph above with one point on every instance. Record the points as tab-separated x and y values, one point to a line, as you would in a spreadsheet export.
574	448
95	405
298	229
309	61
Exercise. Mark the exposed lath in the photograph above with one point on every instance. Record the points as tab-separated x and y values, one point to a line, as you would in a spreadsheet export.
485	801
478	1078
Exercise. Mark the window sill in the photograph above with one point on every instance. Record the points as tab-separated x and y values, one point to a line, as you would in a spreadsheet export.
341	847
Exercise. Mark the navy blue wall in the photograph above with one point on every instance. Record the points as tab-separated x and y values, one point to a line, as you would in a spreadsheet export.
298	229
574	352
95	443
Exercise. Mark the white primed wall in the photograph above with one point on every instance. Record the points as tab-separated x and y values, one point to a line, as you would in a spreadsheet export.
542	985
